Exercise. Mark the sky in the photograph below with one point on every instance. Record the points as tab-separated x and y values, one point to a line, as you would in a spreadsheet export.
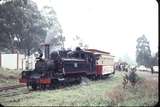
109	25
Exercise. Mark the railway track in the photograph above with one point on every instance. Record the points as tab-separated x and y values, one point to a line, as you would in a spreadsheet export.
11	87
9	94
12	91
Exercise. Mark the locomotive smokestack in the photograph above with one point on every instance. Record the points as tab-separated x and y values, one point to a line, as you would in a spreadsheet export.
46	51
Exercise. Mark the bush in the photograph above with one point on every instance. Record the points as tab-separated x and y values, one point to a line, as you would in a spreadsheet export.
132	77
144	94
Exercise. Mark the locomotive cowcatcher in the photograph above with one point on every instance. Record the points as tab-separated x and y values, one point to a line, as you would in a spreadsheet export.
64	67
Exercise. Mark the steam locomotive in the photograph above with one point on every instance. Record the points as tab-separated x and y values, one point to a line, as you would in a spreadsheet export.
64	67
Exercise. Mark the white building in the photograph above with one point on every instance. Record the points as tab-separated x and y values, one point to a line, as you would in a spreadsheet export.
16	61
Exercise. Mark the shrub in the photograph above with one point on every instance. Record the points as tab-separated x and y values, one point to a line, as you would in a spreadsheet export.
132	77
145	93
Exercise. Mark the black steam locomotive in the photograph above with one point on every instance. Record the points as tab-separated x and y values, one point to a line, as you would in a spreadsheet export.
62	67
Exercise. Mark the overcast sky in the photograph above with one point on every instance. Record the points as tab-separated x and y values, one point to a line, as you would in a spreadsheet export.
109	25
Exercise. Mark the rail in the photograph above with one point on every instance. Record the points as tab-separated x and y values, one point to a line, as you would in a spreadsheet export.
11	87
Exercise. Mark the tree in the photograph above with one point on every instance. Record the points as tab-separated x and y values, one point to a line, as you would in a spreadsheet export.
154	59
21	19
80	42
143	52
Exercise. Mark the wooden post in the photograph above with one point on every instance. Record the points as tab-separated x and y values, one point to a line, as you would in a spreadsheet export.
17	60
22	64
0	60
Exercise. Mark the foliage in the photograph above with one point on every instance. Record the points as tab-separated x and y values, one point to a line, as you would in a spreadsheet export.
80	42
54	30
154	60
144	94
143	52
23	27
132	77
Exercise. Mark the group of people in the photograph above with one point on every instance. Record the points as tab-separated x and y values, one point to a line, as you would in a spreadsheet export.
123	67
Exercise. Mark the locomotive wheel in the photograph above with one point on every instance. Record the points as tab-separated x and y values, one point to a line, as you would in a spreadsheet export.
79	80
61	85
67	84
93	77
43	86
34	86
54	84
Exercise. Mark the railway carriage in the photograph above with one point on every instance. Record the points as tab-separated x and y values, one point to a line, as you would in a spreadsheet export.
104	63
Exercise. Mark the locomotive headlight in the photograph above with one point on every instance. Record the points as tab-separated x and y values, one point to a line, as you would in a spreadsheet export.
75	65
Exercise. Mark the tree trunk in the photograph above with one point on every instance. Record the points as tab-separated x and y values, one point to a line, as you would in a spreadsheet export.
152	71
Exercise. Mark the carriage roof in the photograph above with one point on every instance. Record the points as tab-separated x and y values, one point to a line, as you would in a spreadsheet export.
72	59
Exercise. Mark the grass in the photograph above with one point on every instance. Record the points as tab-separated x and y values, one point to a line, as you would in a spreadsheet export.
108	92
145	93
8	77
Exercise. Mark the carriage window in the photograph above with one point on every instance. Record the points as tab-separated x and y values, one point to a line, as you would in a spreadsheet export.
96	62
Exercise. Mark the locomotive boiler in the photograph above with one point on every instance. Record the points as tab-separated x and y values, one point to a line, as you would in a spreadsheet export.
66	66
